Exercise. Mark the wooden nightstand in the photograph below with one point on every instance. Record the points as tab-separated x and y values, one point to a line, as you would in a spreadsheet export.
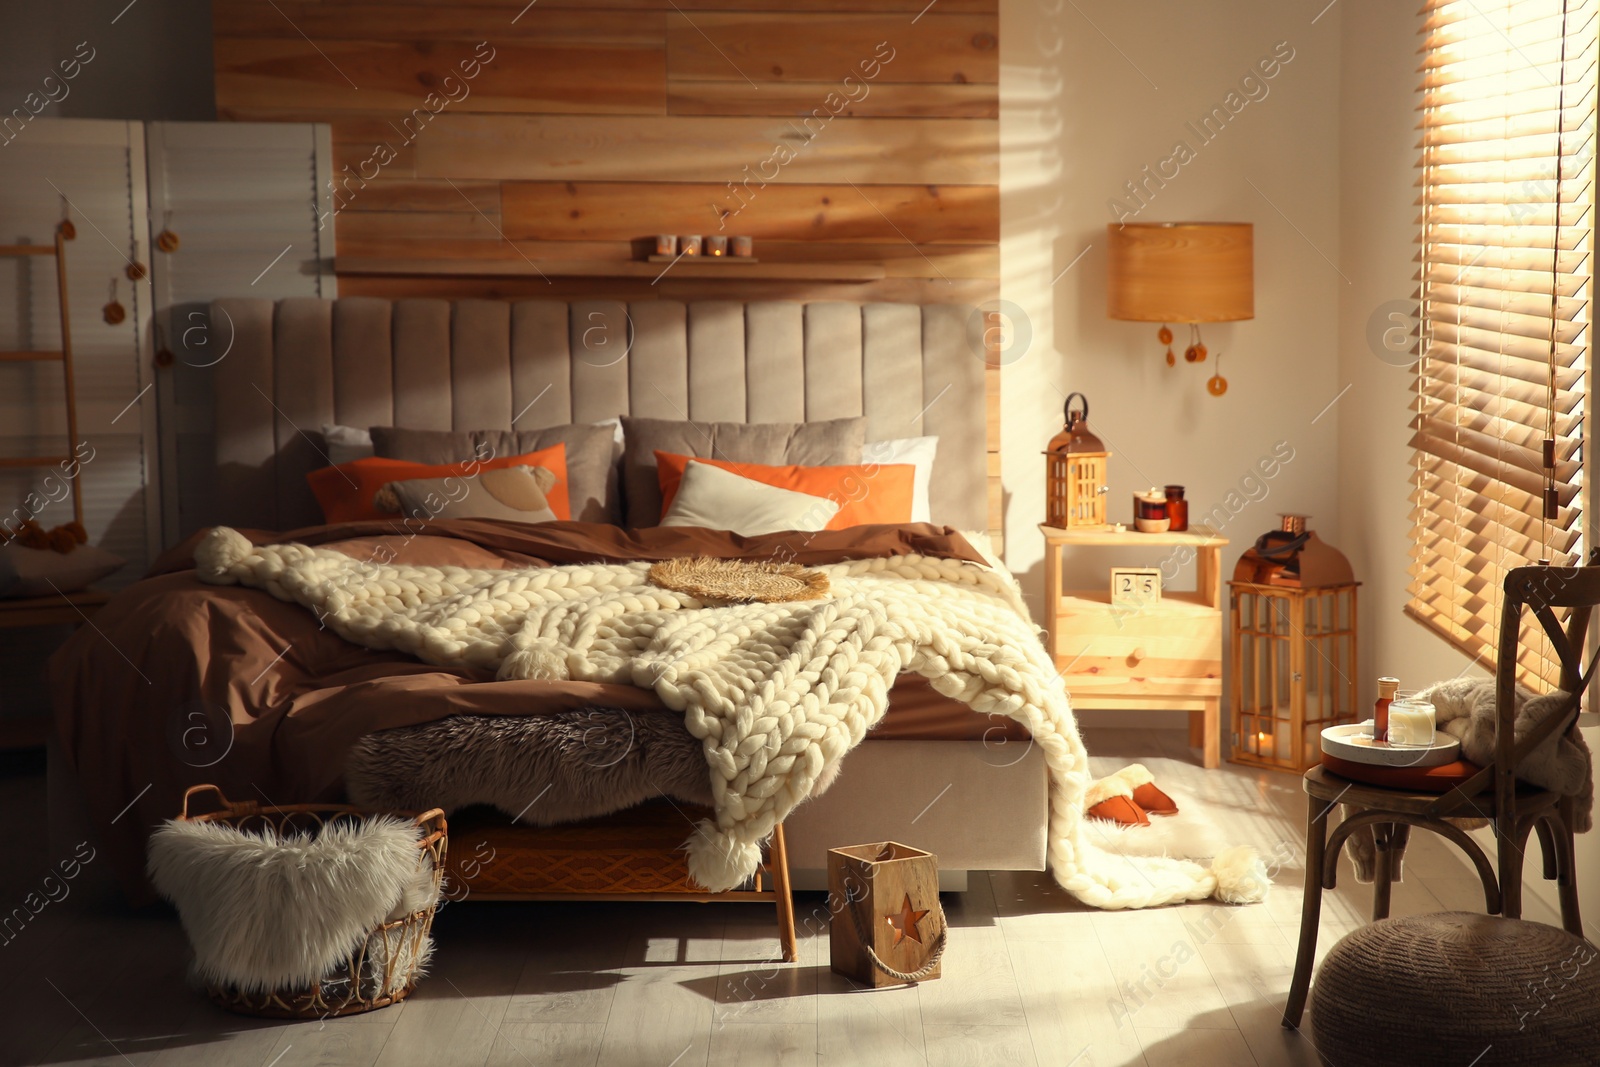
1166	655
69	609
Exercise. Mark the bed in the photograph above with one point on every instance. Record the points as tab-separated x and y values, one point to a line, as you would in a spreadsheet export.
281	702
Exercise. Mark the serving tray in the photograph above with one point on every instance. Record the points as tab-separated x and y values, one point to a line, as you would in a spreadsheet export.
1353	741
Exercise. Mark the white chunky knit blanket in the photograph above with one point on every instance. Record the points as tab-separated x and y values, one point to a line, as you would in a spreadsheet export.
777	693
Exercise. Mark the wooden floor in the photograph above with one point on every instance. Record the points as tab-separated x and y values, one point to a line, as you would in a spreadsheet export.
1031	977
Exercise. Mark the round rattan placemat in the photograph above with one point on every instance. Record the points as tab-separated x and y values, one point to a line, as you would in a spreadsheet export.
1457	988
740	581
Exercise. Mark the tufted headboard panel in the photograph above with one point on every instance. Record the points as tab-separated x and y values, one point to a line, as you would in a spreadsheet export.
483	364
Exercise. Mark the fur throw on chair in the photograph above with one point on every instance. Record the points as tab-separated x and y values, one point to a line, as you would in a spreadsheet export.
1465	709
266	913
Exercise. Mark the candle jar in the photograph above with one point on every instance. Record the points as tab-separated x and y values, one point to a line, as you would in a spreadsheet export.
1177	509
743	247
1411	723
666	244
1150	512
689	244
716	245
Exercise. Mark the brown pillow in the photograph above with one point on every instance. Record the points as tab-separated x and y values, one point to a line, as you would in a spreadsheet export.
515	493
808	444
591	468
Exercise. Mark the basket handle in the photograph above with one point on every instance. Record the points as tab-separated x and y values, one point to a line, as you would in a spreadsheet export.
193	789
433	822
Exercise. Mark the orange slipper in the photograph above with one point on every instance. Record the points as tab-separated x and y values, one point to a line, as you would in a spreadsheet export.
1154	801
1119	810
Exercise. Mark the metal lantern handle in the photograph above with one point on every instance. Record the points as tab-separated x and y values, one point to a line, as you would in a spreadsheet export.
1066	412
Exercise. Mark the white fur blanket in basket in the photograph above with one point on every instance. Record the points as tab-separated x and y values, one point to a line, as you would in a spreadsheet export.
267	913
776	693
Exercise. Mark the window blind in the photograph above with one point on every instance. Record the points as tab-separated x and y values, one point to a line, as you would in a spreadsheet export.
1506	276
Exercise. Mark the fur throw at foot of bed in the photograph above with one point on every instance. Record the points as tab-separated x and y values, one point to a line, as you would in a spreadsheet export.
264	913
544	769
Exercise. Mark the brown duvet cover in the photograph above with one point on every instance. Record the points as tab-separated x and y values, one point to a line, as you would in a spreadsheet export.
177	682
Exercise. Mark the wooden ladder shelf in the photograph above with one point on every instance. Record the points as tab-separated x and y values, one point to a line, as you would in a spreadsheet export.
62	356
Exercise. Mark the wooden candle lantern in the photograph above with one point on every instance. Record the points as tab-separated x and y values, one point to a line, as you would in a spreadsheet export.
1075	473
1292	637
887	927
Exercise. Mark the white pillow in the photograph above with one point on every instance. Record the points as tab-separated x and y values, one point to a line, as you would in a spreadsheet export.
346	444
918	451
721	500
27	572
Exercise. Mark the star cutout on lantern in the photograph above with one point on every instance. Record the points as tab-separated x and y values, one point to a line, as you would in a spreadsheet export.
905	923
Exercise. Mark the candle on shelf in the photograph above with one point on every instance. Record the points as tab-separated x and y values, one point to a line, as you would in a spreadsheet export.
1411	723
716	245
666	244
742	247
689	244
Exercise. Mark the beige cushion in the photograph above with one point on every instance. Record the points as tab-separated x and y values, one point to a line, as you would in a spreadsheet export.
721	500
917	451
809	444
591	467
515	493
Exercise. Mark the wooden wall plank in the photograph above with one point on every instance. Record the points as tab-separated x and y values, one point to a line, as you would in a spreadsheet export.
681	148
256	76
417	225
588	26
509	8
598	211
404	194
793	46
899	259
797	99
971	292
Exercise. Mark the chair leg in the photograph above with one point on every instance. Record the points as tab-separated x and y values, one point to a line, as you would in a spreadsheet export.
778	861
1310	911
1549	848
1567	880
1399	838
1510	838
1382	869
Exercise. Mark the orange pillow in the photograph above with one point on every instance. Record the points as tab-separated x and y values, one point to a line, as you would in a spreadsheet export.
866	494
346	491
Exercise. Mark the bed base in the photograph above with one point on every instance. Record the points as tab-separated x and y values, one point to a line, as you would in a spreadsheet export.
633	855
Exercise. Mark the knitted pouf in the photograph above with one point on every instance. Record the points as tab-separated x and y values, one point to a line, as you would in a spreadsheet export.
1455	989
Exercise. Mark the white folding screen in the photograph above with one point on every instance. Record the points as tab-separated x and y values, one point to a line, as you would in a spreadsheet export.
98	168
244	200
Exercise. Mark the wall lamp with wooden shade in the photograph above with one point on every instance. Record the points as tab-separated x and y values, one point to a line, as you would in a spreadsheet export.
1182	272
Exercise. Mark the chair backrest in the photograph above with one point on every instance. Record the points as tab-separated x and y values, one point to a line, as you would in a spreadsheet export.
1539	590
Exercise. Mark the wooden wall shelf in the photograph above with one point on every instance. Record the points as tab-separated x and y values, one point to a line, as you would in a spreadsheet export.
684	268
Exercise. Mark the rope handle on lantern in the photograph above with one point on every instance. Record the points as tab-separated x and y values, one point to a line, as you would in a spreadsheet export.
935	954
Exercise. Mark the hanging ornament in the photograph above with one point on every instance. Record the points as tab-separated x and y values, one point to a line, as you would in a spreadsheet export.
1165	337
113	312
1192	353
166	240
1216	385
65	227
136	270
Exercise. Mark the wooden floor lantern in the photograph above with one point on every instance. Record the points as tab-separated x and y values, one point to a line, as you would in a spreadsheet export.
1292	647
887	927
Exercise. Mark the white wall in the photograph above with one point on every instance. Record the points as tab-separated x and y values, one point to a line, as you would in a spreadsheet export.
1078	121
1377	214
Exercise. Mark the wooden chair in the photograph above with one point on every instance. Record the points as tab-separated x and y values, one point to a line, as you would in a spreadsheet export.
1515	808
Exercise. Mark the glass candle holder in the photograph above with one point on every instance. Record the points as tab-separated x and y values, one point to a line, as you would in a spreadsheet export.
741	246
666	244
716	245
1411	723
689	244
1150	512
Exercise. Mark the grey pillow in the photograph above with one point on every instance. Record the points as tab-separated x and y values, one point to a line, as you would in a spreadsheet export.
807	444
591	459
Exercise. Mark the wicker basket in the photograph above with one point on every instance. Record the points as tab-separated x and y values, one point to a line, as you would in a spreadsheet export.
359	983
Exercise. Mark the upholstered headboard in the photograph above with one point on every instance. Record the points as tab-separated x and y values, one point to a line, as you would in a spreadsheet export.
296	364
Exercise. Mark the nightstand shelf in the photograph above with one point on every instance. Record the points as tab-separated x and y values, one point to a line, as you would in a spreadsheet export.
1164	655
